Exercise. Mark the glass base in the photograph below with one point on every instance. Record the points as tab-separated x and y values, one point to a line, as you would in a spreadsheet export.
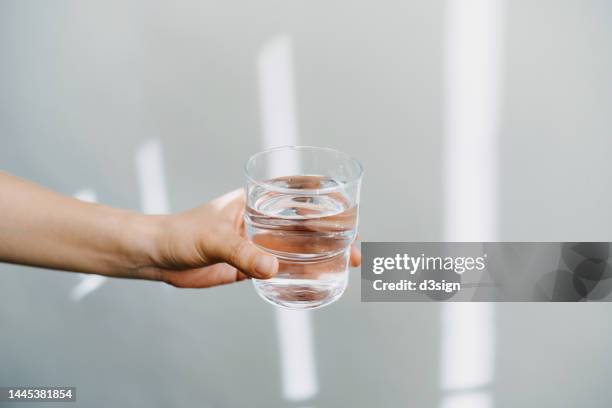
306	285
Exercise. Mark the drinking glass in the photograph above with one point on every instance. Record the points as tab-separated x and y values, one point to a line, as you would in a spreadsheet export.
302	207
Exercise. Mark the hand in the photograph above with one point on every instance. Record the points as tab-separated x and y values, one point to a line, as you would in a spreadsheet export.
206	247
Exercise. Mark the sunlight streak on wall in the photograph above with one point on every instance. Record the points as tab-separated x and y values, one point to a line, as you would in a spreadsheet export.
279	128
473	40
151	179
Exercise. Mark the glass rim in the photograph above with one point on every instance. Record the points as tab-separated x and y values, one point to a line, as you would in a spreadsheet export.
272	187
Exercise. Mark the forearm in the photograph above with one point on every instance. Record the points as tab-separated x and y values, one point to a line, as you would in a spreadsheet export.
41	228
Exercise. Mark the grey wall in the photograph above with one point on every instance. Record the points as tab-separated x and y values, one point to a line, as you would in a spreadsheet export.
84	84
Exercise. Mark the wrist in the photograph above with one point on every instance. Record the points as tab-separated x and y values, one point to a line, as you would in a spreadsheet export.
141	243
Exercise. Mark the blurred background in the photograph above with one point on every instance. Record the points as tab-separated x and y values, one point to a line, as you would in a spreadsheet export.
475	120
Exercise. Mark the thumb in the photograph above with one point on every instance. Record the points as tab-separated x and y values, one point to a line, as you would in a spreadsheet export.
246	257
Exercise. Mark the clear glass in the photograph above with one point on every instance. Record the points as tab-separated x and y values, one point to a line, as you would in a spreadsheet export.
302	206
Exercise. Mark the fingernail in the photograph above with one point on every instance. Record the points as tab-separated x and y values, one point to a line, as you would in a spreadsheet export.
265	265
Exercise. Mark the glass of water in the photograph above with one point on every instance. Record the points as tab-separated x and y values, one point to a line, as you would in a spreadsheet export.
302	207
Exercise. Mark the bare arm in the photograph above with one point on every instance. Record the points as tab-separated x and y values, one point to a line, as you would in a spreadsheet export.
41	228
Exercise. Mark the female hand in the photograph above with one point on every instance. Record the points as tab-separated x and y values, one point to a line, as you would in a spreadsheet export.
207	246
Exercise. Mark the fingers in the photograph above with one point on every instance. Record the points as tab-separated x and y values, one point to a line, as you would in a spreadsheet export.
220	274
215	275
208	276
246	257
355	259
